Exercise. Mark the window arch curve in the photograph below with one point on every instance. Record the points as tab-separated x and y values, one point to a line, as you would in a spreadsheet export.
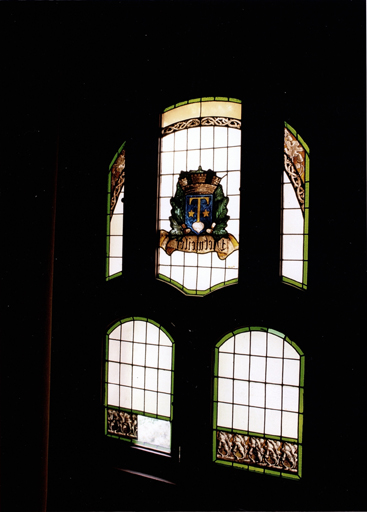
258	402
139	377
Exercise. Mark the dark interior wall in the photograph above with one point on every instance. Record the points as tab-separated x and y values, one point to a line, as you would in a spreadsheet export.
80	79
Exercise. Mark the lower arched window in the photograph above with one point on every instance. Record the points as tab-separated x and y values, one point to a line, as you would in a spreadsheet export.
139	383
258	402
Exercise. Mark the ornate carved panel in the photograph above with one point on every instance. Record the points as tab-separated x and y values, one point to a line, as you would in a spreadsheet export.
122	423
205	121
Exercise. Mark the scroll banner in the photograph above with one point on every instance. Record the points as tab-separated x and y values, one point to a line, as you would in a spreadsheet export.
201	244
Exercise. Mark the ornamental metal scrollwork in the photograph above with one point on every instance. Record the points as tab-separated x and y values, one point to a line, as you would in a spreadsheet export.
294	165
296	181
205	121
117	179
122	423
257	451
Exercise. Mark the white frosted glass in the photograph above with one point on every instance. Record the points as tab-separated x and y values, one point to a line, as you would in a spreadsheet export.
125	397
232	260
216	262
290	424
291	372
258	343
164	381
139	354
151	379
220	159
191	259
114	350
241	366
164	404
164	259
220	136
290	398
116	224
273	422
207	161
125	374
275	345
234	180
190	277
240	417
273	396
113	373
224	415
225	390
225	368
193	159
165	270
138	377
256	420
138	399
164	224
227	346
234	158
231	274
181	113
205	260
140	328
164	339
126	352
257	368
257	394
150	403
207	136
167	163
165	357
115	265
289	196
293	270
152	356
221	109
154	431
193	141
167	142
164	208
224	181
243	343
113	394
234	229
166	185
285	178
240	392
152	335
234	207
177	274
119	208
116	333
179	161
274	368
234	137
115	245
177	258
203	278
180	140
293	221
292	247
290	352
217	276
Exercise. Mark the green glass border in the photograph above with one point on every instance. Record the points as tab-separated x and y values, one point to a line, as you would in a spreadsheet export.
197	293
200	100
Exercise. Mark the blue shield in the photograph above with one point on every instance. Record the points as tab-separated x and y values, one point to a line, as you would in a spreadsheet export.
199	212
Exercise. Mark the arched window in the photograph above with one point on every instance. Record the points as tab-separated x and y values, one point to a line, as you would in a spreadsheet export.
115	214
258	402
295	212
199	187
139	383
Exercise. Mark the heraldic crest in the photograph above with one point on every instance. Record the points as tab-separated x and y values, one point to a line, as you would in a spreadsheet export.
199	216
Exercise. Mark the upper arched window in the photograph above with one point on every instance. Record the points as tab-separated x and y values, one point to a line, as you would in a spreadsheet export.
199	201
258	402
115	214
139	383
295	212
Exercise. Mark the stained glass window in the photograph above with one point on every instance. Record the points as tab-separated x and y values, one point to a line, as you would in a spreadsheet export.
115	214
139	383
258	402
199	194
295	209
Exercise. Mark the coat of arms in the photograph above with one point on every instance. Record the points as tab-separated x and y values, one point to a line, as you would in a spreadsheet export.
199	216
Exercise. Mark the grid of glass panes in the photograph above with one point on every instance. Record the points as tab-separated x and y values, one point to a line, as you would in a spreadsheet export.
115	237
212	147
259	385
139	378
294	237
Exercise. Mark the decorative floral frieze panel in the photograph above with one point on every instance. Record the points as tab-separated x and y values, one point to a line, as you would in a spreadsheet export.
257	451
294	165
205	121
122	423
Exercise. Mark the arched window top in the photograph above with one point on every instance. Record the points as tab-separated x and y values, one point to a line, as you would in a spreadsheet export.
258	402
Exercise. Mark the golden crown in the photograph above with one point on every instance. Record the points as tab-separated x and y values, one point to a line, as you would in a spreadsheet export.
198	182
